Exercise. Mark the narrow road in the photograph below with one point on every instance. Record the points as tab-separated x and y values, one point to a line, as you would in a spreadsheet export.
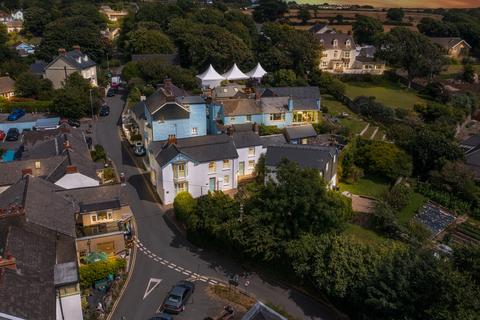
165	257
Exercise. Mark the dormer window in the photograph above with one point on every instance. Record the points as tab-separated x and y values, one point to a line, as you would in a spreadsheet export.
335	43
348	43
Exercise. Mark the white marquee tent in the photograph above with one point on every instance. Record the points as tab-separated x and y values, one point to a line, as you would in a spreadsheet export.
210	78
257	73
235	74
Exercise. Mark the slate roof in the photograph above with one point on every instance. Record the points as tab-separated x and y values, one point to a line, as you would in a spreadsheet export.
307	156
447	42
74	56
317	27
300	132
273	140
244	139
326	39
228	91
365	59
237	107
7	85
274	104
12	171
38	67
65	273
305	104
97	196
99	206
305	92
200	149
139	110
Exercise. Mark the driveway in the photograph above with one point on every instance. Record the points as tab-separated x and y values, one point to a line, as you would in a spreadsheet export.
164	256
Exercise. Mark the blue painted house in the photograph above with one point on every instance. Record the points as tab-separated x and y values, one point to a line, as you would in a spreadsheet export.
280	107
170	111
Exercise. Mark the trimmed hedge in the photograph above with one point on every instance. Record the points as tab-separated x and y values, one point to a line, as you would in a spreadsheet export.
28	106
100	270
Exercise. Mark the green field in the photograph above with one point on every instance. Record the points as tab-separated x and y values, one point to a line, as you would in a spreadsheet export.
353	122
388	93
366	186
407	213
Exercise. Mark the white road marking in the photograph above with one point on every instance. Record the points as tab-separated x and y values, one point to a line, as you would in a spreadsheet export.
173	264
149	288
201	279
214	282
156	259
163	262
186	273
150	256
170	266
177	269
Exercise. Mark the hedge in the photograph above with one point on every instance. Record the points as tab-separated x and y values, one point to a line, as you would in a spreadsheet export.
100	270
184	205
28	106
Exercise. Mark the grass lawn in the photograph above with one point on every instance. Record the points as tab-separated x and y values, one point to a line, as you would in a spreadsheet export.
386	92
352	122
366	186
407	213
364	235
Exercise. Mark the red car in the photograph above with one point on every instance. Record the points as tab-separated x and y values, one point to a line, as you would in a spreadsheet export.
2	135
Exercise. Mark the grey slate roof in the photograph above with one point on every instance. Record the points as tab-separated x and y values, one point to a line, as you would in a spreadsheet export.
307	156
73	57
300	132
65	273
7	85
305	104
228	91
273	140
107	193
237	107
90	207
326	39
447	42
139	110
274	104
200	149
294	92
244	139
12	171
38	67
317	27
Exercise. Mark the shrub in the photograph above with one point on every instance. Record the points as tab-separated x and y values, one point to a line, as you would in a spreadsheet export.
268	130
108	174
99	153
100	270
184	205
27	105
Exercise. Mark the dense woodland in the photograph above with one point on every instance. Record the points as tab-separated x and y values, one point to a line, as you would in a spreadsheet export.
296	226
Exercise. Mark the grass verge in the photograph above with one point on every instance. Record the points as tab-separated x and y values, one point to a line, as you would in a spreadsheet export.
366	186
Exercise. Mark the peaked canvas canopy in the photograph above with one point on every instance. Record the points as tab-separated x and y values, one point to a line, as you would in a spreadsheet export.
258	72
235	74
210	78
210	75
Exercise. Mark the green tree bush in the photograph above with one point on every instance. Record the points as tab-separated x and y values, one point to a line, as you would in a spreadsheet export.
184	206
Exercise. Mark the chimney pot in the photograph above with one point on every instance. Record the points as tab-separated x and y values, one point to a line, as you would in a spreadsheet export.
27	171
71	169
76	48
62	51
172	139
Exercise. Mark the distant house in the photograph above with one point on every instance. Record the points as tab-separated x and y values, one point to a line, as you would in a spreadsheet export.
340	54
4	17
69	62
471	147
17	15
7	87
455	47
24	49
323	159
113	15
14	26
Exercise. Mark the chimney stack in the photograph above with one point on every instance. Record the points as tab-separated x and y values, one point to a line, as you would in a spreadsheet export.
62	51
172	139
71	169
27	171
76	48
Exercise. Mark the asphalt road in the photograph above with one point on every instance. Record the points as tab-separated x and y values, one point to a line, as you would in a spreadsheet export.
165	257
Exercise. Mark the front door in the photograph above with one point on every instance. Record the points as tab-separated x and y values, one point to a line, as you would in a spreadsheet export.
241	168
212	184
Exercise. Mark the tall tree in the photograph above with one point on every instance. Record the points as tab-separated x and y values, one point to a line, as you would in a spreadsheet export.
36	19
411	51
269	10
141	41
365	29
396	14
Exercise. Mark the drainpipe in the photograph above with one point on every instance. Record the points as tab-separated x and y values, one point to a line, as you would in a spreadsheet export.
60	302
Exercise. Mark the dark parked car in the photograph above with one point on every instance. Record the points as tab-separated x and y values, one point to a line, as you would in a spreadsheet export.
16	114
178	296
161	316
74	123
104	111
12	134
111	92
139	149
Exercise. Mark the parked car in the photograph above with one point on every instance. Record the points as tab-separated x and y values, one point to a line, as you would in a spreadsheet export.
139	149
161	316
104	111
2	135
74	123
178	296
16	114
111	92
12	134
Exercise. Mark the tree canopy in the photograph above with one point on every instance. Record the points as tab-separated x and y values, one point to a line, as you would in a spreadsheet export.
269	10
366	29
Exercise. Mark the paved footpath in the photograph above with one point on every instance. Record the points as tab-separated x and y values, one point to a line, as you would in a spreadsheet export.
164	256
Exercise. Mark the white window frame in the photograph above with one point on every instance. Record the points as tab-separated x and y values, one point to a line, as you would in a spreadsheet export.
212	167
282	117
178	189
226	164
251	151
176	170
248	118
226	180
194	131
251	167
